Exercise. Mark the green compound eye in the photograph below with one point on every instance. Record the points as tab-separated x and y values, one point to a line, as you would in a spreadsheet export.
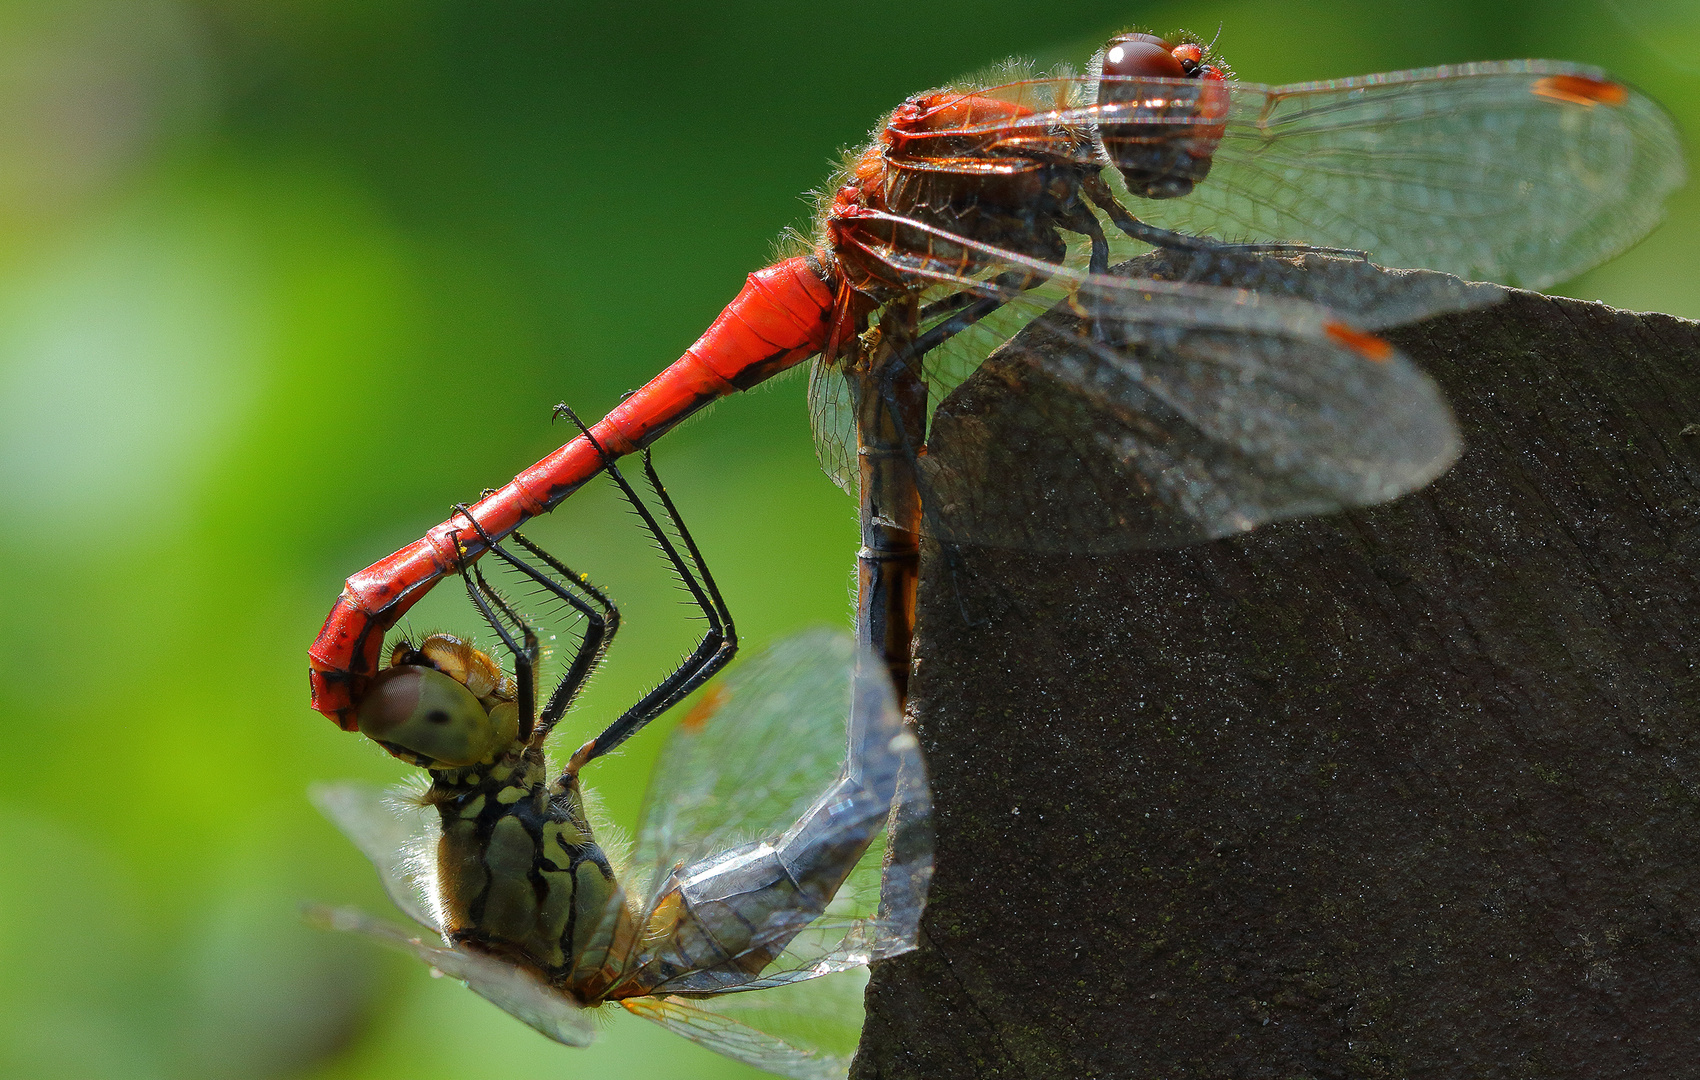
429	713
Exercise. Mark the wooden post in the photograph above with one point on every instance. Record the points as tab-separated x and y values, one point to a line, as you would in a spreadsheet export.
1410	791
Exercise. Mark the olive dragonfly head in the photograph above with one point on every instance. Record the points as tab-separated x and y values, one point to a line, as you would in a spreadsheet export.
441	705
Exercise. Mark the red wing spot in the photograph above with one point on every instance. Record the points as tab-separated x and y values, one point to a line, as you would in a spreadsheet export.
706	706
1365	345
1580	90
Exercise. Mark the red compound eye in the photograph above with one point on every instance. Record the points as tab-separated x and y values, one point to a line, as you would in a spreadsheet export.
1161	113
1142	56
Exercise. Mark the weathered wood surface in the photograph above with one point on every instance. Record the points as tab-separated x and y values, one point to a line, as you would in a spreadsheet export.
1406	792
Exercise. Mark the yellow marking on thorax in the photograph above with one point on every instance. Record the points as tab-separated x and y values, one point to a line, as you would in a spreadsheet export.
558	832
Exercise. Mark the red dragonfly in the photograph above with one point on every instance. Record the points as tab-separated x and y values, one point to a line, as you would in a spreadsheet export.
1136	406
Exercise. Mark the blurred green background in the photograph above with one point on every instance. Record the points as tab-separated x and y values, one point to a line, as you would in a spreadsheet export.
280	280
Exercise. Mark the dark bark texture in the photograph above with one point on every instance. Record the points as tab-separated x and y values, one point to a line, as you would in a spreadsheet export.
1405	792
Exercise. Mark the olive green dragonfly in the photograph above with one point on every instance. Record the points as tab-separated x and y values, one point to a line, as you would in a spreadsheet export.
784	844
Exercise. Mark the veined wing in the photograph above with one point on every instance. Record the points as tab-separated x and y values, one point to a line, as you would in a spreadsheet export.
767	740
703	1021
832	419
1135	412
760	745
1365	296
1525	172
374	820
875	914
389	833
513	989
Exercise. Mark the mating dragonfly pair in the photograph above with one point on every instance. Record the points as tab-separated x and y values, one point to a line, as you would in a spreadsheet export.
995	366
1221	390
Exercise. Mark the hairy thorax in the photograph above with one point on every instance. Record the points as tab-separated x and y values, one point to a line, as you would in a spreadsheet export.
519	873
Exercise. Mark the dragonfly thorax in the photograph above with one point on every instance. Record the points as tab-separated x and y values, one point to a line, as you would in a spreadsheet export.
518	870
1002	194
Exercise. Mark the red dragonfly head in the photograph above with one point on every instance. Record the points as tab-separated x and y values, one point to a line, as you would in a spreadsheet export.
1162	109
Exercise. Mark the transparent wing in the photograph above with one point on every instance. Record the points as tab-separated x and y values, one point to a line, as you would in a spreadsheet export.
876	913
389	832
1370	297
513	989
1522	171
706	1023
1526	172
832	417
752	756
821	1014
1167	434
1364	295
860	826
1137	412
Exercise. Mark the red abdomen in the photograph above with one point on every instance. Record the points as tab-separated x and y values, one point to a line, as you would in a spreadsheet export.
782	317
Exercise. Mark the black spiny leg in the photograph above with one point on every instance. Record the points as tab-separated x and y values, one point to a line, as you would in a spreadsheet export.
719	641
495	610
967	307
1083	221
601	626
1102	197
602	622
